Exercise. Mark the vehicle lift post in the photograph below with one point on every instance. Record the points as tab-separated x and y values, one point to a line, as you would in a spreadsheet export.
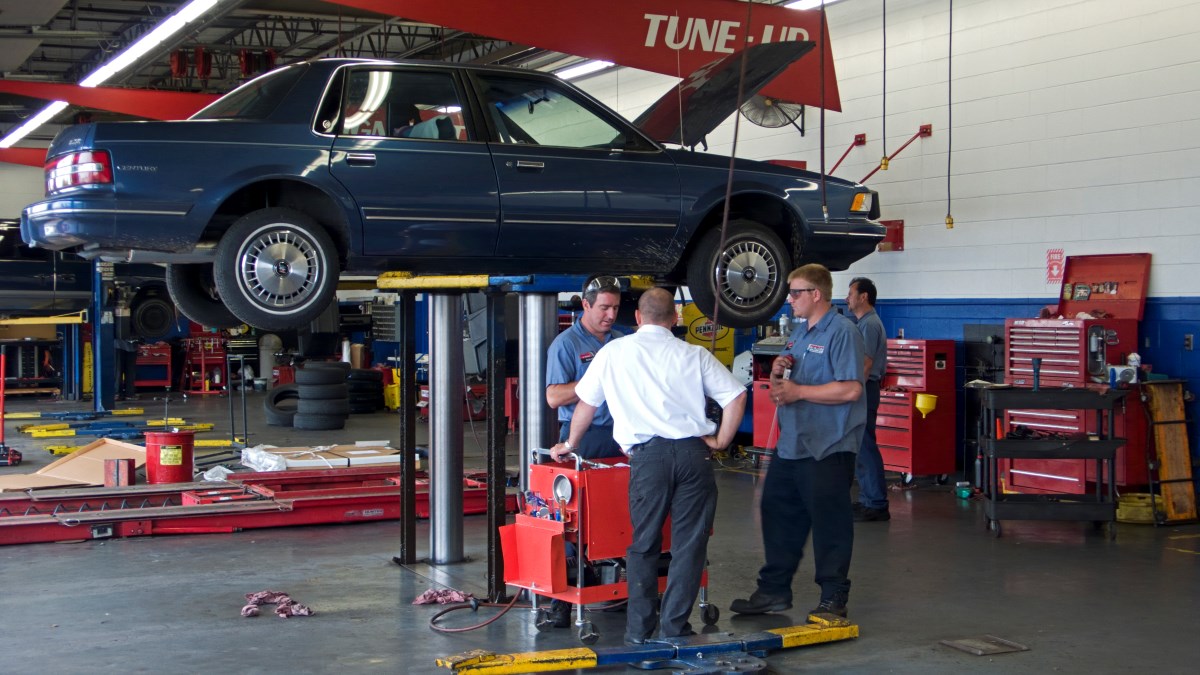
104	371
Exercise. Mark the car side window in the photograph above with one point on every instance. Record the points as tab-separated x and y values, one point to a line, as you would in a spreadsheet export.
535	112
402	104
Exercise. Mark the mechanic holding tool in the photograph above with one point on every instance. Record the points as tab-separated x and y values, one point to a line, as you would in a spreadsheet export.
818	385
569	357
655	385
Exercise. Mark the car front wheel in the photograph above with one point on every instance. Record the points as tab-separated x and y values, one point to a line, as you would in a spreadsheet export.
745	279
276	269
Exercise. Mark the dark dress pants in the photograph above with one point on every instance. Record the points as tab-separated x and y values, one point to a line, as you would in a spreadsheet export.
802	496
675	478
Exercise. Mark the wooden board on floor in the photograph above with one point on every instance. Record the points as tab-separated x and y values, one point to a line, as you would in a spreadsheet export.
1168	420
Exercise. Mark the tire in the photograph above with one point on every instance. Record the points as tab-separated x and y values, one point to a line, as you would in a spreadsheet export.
746	281
319	422
362	408
309	375
151	314
276	269
323	392
365	375
323	406
280	405
194	292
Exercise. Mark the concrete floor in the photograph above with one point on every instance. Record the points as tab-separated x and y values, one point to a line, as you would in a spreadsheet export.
1081	603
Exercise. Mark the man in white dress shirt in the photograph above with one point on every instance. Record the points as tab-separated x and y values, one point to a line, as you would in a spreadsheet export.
655	386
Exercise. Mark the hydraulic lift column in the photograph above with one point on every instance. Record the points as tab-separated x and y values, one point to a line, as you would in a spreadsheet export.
446	391
539	326
104	356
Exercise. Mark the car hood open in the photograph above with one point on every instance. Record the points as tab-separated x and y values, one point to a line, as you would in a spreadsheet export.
708	96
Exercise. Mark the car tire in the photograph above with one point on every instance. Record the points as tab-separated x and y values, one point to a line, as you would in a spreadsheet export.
318	422
151	314
194	292
276	269
281	404
746	279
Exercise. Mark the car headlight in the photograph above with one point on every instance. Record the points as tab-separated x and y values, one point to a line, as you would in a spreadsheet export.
862	202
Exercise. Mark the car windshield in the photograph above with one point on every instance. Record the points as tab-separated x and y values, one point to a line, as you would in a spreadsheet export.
256	99
537	113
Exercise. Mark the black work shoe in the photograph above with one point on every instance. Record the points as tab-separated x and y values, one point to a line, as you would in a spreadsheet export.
835	606
760	603
859	508
560	613
867	515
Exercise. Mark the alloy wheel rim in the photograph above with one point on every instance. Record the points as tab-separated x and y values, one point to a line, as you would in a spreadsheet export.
746	273
279	269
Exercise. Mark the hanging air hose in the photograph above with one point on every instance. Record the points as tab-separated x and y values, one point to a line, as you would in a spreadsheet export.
883	163
949	110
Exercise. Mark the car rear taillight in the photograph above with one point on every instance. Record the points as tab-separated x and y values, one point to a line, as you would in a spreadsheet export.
79	169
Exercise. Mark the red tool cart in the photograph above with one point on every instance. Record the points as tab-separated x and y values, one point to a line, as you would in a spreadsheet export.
585	503
918	410
1075	352
204	370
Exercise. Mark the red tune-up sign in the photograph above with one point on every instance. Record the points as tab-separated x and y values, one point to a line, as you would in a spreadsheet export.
672	37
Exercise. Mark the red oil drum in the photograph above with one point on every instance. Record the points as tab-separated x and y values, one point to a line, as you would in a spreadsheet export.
169	456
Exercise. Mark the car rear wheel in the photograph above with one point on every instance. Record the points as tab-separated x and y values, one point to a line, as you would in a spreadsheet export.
276	269
746	279
151	314
195	294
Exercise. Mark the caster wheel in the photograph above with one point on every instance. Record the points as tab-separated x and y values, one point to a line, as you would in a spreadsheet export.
994	526
907	479
943	479
588	634
710	614
543	621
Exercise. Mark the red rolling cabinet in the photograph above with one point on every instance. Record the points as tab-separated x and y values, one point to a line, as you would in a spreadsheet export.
910	442
765	419
1075	352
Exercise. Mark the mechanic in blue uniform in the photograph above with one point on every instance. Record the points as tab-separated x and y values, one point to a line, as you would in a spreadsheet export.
569	357
818	385
872	504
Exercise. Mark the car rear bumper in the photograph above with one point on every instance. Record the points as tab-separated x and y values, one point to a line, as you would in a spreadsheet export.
66	223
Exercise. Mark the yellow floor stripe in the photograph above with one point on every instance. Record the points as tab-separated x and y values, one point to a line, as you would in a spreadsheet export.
480	661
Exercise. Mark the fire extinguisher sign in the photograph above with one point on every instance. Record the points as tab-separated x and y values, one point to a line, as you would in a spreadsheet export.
1055	260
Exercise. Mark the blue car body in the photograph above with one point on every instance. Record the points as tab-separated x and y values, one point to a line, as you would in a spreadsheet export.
484	196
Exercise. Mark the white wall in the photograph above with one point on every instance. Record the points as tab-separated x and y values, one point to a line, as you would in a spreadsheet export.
1076	125
19	185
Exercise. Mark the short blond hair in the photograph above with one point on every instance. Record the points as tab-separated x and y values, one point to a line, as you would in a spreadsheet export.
818	275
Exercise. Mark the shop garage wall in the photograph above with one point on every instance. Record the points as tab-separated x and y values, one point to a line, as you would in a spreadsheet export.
1076	125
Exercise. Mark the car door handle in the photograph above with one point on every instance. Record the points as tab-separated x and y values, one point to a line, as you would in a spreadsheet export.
361	159
528	164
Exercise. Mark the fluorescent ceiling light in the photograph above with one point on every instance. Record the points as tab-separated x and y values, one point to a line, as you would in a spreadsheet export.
172	25
585	68
808	4
32	123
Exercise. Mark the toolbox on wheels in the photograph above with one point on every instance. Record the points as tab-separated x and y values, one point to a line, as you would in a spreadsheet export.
579	503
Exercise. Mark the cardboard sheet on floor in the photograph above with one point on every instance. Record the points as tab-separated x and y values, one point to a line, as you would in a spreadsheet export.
367	455
84	467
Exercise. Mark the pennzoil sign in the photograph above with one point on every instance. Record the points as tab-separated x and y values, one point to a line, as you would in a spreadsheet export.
702	329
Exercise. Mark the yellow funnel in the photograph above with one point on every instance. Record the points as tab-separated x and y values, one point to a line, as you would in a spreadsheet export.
926	403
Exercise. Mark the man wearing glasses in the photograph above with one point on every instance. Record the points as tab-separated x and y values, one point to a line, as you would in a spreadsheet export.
818	385
569	357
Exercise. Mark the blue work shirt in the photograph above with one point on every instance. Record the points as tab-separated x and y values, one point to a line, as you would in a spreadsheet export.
875	343
568	359
830	351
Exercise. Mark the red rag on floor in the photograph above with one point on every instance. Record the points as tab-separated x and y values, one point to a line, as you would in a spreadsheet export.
284	605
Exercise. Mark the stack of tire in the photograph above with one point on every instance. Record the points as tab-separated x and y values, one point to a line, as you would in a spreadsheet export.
366	390
324	403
